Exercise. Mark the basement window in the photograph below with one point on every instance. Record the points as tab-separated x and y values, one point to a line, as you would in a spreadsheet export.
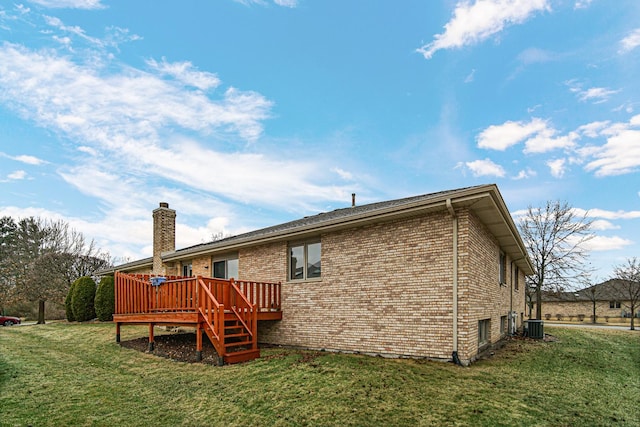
305	261
484	332
504	325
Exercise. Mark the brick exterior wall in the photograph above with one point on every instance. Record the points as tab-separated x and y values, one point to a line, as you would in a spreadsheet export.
387	289
480	294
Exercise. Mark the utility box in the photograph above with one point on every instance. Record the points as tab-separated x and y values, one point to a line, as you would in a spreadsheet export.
535	328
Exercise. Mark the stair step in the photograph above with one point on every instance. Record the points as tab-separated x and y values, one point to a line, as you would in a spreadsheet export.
241	356
240	335
236	344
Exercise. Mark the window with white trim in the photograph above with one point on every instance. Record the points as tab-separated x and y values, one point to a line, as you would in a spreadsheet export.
305	260
226	267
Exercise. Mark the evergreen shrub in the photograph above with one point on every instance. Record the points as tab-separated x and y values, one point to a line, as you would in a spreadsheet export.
82	299
105	303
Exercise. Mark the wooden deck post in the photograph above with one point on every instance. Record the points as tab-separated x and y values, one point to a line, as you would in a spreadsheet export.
198	343
151	339
117	332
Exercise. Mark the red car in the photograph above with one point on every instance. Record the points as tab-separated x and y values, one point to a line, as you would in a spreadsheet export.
9	320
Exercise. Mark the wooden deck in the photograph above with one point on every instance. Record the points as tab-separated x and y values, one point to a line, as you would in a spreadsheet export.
226	311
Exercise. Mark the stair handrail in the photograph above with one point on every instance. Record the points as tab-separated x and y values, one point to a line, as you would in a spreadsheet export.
247	314
213	313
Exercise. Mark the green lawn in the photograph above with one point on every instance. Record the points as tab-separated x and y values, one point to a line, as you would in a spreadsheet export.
75	374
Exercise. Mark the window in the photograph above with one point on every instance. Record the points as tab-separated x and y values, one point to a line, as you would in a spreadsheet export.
614	304
187	271
305	261
516	277
226	267
484	330
503	268
504	325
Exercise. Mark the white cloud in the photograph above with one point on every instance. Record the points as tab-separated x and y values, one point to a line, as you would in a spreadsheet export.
17	175
546	141
183	71
29	160
347	176
285	3
470	77
601	224
620	155
78	98
593	129
630	42
582	4
525	174
70	4
557	167
473	23
501	137
135	119
485	168
612	215
605	243
597	95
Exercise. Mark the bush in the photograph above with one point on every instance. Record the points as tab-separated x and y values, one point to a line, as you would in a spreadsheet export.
68	309
105	303
82	299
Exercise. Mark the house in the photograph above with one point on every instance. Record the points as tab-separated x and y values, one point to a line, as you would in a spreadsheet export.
608	298
438	276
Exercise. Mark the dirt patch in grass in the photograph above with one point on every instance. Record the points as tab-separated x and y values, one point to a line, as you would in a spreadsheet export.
180	347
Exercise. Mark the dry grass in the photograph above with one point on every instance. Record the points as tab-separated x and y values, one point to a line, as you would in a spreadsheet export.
72	374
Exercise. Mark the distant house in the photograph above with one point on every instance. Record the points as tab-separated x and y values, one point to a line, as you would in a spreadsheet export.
609	299
439	276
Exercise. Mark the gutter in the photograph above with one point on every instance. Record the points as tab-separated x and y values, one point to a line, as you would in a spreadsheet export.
454	218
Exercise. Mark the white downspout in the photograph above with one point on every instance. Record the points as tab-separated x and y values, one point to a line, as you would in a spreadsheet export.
454	218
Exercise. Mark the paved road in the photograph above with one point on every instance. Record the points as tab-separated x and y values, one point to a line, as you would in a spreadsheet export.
591	325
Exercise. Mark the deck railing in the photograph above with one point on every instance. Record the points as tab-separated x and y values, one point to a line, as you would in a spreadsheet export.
134	294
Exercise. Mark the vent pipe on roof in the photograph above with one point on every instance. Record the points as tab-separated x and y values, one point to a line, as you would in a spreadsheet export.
353	200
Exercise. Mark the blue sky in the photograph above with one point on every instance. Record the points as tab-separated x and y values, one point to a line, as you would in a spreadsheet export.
246	114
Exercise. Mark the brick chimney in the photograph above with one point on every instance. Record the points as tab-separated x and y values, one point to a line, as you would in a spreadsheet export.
164	235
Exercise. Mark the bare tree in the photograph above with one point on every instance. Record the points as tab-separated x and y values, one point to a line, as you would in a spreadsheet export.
45	257
555	237
594	293
628	285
